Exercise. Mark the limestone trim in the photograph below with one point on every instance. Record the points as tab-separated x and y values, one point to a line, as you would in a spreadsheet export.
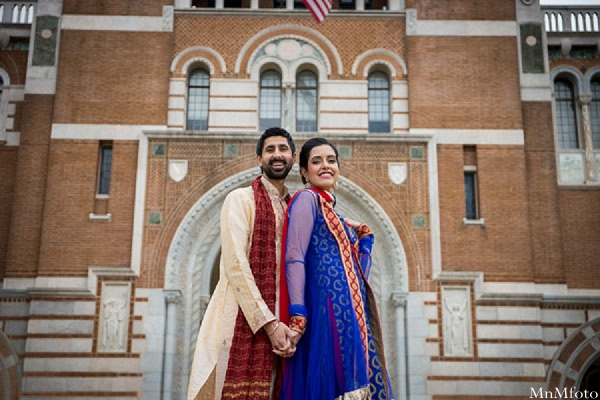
589	75
210	57
386	57
578	351
100	131
289	70
574	75
118	22
255	69
417	27
475	136
324	45
5	77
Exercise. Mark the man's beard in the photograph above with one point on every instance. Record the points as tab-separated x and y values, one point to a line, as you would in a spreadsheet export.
277	174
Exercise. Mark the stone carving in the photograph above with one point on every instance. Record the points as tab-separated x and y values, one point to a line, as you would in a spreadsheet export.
457	321
397	173
289	49
114	318
178	169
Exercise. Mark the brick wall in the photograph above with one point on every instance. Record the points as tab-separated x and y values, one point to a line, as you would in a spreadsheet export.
464	82
8	162
30	186
542	192
71	243
112	78
580	224
501	247
228	34
464	9
115	7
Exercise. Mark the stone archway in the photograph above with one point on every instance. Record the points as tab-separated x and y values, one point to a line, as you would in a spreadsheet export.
196	246
574	357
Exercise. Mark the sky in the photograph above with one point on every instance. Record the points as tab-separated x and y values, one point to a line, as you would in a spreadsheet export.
570	2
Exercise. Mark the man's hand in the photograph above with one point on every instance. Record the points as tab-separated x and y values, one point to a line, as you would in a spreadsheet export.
279	335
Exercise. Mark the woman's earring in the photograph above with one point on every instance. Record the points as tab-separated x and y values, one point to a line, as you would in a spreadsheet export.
307	184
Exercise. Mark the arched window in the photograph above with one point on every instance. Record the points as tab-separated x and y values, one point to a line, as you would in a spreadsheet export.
379	102
270	99
595	112
23	14
30	11
198	92
566	118
306	101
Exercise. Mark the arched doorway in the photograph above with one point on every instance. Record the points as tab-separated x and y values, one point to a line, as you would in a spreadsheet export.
576	362
195	249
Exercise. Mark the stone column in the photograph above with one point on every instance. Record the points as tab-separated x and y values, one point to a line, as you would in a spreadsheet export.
399	301
172	297
590	159
360	5
289	123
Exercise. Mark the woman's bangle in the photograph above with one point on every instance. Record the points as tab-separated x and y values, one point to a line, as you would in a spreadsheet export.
274	329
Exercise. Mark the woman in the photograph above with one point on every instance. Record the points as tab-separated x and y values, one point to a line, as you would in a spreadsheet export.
327	259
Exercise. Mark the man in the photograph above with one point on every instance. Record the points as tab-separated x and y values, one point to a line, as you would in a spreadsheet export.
240	333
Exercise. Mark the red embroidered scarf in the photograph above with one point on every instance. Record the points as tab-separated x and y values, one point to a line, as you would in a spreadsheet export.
251	359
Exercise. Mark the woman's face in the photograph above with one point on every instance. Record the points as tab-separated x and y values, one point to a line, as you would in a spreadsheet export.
323	169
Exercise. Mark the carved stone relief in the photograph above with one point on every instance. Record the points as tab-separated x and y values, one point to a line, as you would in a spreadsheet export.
114	317
456	316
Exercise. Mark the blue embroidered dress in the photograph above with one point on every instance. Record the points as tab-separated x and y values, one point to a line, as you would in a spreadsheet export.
326	265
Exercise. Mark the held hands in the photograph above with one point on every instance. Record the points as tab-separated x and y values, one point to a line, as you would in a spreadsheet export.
282	338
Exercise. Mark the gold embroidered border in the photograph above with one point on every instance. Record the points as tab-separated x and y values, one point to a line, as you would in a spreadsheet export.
358	394
298	323
337	229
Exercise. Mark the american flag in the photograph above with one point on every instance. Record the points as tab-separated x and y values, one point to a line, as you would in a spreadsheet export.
318	8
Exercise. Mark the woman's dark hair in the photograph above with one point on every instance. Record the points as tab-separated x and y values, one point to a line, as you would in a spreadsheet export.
275	131
308	146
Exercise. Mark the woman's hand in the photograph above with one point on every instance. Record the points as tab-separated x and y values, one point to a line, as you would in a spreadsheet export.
279	335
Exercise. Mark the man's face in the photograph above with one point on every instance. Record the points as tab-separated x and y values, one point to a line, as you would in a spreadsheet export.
277	159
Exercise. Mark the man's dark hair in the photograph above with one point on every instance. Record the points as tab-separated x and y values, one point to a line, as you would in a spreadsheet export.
308	146
275	131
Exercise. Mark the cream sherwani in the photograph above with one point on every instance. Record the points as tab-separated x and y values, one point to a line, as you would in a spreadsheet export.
236	287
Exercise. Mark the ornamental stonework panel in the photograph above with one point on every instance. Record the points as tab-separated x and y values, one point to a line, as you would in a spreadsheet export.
456	317
114	317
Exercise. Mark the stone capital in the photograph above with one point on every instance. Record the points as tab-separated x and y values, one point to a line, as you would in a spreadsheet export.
399	299
172	296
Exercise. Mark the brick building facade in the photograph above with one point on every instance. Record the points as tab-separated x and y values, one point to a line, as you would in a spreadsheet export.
469	139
